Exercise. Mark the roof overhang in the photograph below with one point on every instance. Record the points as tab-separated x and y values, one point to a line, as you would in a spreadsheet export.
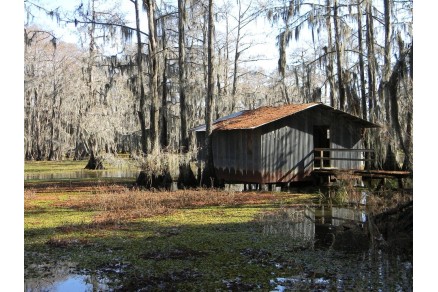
203	128
252	119
353	118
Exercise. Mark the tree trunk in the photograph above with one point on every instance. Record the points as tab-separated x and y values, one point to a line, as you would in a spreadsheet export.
282	66
407	163
371	62
226	58
36	126
330	66
182	75
387	61
53	122
140	86
205	50
163	110
209	103
387	92
164	142
52	127
236	59
78	155
361	62
91	56
339	49
374	134
94	162
392	88
362	77
28	127
154	111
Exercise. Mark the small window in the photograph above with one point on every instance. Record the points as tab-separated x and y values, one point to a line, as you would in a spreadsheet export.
328	133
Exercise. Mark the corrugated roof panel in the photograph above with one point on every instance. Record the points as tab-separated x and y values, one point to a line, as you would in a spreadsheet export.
202	128
261	116
251	119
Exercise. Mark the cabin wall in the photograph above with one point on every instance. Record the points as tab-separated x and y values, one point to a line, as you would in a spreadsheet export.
287	145
287	150
282	151
236	155
346	136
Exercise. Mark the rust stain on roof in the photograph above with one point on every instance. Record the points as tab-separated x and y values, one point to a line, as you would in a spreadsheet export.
261	116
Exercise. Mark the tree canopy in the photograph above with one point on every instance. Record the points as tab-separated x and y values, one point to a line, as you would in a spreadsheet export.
143	73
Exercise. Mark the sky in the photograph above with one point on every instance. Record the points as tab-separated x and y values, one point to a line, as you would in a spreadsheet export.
261	30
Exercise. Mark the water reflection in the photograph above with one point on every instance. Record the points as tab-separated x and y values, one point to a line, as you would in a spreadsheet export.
60	277
72	282
296	223
83	174
315	226
373	270
339	256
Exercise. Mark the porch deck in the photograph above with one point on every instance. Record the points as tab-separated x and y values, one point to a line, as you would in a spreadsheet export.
330	174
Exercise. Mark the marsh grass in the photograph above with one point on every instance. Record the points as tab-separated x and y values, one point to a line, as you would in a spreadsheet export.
187	240
387	199
113	204
199	232
163	163
125	205
53	166
69	165
347	190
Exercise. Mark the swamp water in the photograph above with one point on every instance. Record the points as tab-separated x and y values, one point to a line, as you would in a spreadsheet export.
338	255
69	282
83	174
332	254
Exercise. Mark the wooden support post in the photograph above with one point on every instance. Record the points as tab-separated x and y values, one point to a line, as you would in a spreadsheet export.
381	184
321	161
400	183
264	187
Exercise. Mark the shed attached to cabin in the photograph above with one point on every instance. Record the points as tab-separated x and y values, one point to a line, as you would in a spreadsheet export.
277	144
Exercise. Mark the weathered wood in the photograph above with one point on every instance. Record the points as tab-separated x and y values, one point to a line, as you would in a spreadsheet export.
282	151
366	175
383	173
344	150
343	159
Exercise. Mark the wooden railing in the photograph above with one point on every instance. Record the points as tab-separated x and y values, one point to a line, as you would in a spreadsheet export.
324	157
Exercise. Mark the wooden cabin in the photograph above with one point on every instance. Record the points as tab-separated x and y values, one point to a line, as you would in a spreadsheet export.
284	144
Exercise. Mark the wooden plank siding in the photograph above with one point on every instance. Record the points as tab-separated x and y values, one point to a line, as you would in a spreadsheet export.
236	155
287	150
346	136
282	151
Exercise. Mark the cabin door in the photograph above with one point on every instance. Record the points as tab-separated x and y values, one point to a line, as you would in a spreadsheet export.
321	139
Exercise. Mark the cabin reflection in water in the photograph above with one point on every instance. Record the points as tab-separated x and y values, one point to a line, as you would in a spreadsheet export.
311	226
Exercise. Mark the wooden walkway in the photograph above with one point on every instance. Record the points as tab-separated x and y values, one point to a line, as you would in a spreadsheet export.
328	175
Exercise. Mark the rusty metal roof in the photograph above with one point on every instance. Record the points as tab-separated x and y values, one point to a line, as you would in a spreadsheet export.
202	128
251	119
261	116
